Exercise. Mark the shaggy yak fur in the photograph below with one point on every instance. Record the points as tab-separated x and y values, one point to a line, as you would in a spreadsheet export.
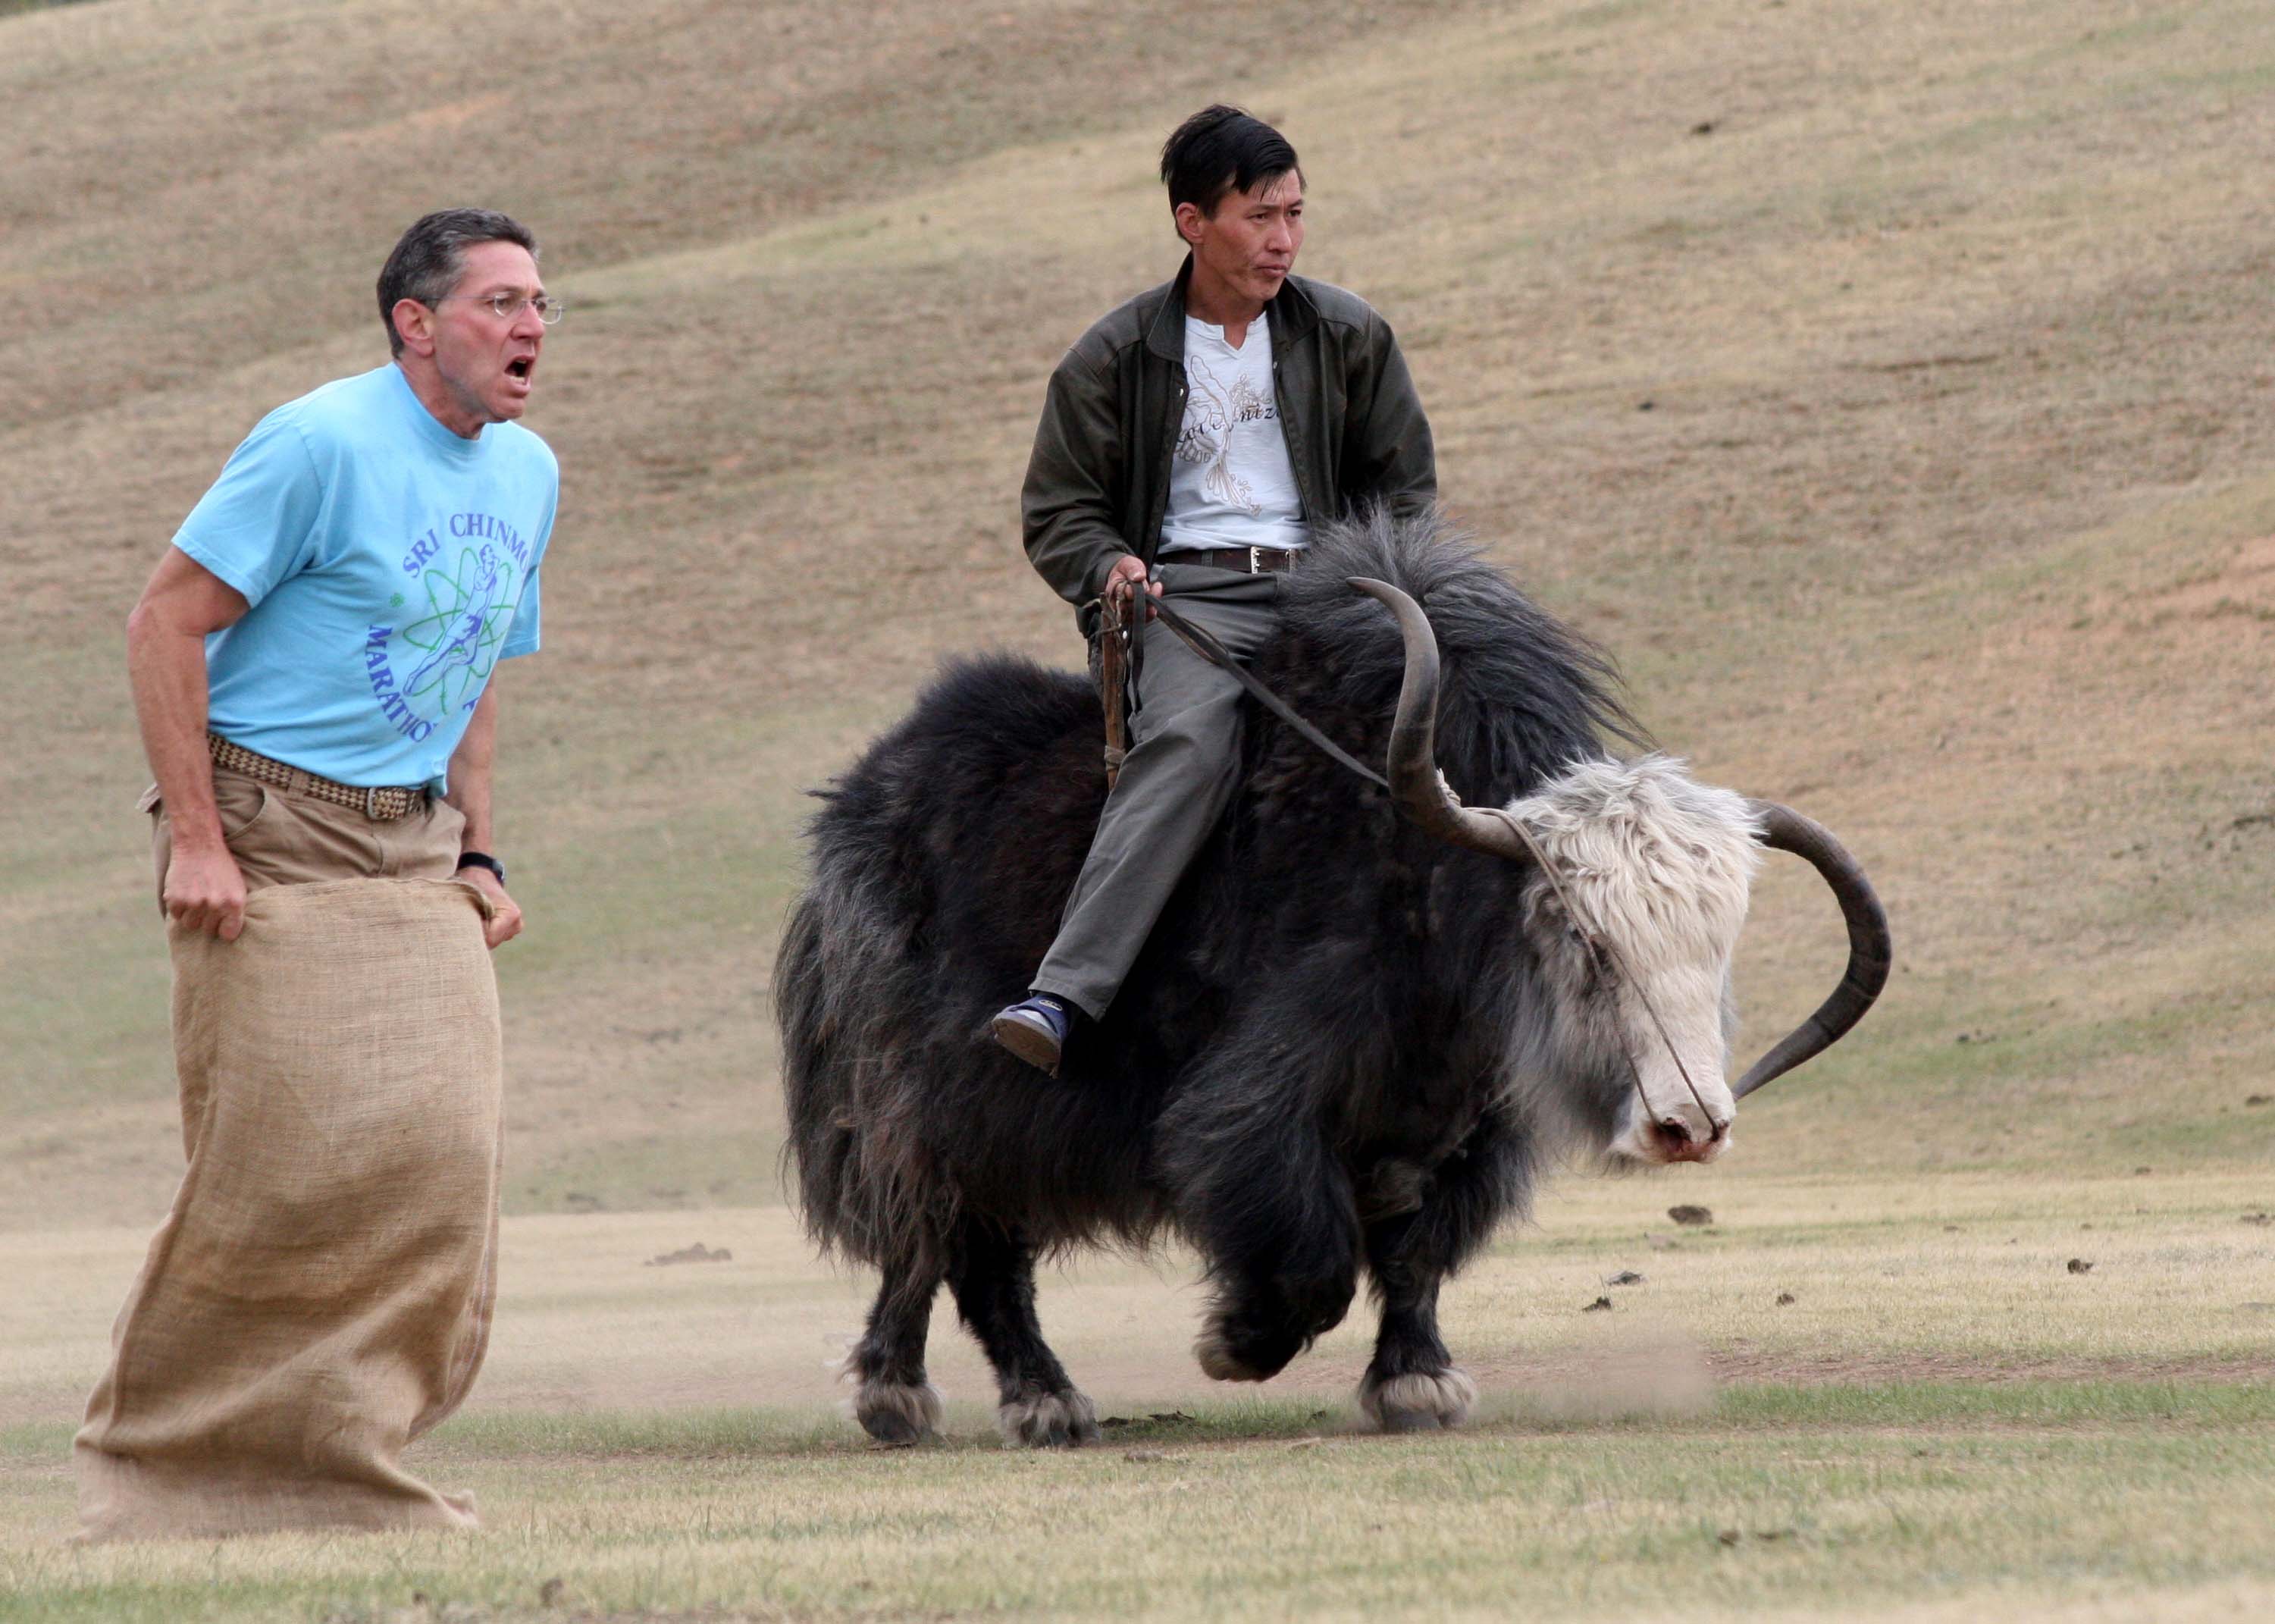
1339	1053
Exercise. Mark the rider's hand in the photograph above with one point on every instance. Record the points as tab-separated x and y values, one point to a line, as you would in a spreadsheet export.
205	890
1128	569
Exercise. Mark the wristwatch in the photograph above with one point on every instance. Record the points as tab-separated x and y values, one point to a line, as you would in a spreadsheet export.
482	859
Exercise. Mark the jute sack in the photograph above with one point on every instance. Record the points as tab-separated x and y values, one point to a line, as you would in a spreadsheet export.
321	1294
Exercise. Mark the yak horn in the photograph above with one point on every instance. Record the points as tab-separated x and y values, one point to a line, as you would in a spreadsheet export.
1871	950
1415	781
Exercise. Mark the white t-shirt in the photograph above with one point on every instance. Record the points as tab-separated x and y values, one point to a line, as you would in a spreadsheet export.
1230	481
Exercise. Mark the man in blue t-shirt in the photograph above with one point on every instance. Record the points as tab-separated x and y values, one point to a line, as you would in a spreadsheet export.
311	661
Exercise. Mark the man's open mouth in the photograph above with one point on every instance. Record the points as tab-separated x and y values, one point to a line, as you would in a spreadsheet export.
521	367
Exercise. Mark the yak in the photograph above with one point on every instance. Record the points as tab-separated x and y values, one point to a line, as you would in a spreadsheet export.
1367	1019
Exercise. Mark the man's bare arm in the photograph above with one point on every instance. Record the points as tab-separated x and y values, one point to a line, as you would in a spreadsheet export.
470	793
166	665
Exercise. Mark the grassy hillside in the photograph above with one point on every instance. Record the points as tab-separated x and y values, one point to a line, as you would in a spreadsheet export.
1891	395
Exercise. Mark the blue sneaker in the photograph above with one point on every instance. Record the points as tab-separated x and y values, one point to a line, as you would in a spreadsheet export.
1035	1029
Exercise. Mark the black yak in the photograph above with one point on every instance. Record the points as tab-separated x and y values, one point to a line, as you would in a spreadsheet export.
1364	1021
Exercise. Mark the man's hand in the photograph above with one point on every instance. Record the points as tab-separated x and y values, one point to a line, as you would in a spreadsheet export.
1121	580
166	634
470	793
205	890
504	925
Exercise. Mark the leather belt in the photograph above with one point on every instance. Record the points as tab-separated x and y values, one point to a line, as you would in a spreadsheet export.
1247	560
382	804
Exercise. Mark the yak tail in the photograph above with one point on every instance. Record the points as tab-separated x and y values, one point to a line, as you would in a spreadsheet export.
816	1154
857	1190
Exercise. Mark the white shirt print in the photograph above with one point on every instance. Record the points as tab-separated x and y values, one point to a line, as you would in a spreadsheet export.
1230	481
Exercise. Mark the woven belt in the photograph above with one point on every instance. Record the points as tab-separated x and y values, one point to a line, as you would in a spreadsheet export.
1247	560
382	804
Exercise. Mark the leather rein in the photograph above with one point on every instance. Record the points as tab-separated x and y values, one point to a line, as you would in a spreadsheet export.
1609	964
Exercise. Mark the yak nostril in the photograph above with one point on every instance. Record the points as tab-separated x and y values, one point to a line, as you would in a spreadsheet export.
1673	1132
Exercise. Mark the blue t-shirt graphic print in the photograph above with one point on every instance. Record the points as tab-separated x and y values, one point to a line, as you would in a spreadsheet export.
470	578
391	565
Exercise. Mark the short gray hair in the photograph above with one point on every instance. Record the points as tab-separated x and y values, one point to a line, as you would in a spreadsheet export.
429	258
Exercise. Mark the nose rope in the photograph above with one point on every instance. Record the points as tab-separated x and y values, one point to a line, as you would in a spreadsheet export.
1606	958
1612	966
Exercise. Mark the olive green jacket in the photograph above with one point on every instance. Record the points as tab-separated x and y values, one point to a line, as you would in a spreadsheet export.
1098	480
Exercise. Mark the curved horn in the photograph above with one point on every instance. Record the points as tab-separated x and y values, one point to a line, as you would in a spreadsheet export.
1415	782
1870	949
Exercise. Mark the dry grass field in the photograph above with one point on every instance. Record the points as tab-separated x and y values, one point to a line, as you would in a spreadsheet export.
1890	390
1942	1415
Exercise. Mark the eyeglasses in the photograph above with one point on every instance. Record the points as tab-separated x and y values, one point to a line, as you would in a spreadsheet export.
506	307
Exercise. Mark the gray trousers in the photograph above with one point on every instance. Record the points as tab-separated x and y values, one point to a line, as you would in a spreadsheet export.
1183	766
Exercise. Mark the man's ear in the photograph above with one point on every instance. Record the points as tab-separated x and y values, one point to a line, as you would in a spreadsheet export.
1189	220
414	324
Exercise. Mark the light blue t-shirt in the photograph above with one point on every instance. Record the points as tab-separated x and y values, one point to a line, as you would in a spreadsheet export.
391	565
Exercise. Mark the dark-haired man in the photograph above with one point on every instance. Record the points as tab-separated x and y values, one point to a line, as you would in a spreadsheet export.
310	660
1188	442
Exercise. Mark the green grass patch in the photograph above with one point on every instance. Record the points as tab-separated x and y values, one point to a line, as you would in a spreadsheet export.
1866	1501
2025	1404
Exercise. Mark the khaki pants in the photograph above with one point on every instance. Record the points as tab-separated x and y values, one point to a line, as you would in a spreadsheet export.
282	837
1182	767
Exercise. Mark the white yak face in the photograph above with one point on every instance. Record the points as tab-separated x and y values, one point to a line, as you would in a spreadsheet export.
1658	867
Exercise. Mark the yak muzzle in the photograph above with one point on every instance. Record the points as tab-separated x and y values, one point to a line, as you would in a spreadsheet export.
1657	1139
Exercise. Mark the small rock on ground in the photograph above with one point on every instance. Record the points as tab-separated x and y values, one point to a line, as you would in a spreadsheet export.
697	1253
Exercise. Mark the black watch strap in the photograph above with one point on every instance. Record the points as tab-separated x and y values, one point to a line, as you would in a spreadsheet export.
482	859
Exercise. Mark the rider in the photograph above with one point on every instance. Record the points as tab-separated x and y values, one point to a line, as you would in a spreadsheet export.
1189	440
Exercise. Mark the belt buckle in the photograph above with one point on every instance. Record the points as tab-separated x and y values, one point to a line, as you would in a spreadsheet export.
1256	561
371	803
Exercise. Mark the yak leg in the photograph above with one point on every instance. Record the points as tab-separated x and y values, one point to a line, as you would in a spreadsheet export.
1281	1234
994	1278
1266	1200
1266	1309
1413	1384
895	1404
1260	1319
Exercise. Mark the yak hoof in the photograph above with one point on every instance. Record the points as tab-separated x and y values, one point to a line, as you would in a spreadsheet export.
1419	1403
897	1413
1217	1361
1048	1421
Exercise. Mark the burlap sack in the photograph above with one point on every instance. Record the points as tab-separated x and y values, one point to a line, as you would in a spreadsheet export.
321	1293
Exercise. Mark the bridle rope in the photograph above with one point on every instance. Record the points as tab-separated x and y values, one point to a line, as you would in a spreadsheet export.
1609	962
